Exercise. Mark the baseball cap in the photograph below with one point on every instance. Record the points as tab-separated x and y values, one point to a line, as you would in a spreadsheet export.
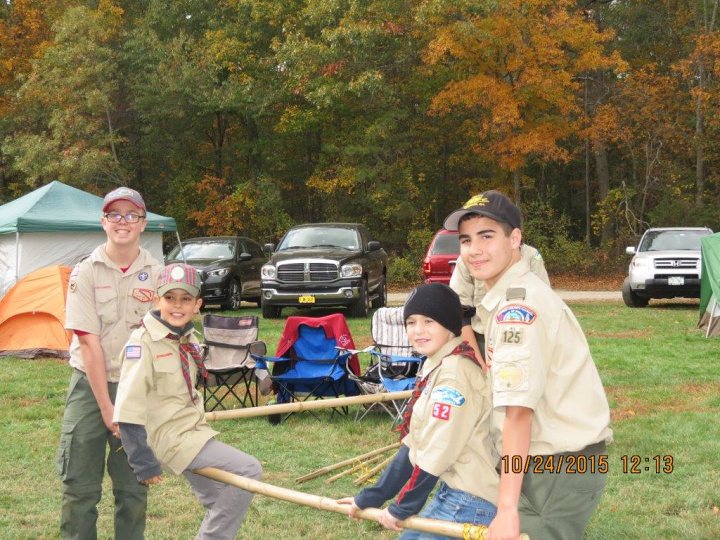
492	204
179	276
124	194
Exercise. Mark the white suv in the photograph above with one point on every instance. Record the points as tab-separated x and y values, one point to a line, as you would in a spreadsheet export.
666	264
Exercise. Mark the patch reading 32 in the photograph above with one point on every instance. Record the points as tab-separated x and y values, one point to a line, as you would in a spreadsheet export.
582	464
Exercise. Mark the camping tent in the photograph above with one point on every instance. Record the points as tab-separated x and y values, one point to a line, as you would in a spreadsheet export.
32	315
59	224
710	285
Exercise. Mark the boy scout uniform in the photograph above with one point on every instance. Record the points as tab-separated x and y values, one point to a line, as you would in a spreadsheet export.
153	393
471	291
104	301
449	433
540	359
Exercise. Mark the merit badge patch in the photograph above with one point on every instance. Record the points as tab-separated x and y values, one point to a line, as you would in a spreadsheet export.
142	276
143	295
441	411
510	378
447	395
516	313
133	352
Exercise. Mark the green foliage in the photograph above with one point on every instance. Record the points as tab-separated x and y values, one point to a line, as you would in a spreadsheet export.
404	271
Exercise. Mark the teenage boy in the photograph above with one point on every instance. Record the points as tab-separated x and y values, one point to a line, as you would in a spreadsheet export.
162	416
550	409
108	295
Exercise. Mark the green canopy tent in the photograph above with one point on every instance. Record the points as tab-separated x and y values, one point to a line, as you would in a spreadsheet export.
710	285
59	224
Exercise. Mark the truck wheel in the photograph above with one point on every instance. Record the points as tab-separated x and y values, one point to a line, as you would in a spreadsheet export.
361	308
381	298
631	298
270	311
234	297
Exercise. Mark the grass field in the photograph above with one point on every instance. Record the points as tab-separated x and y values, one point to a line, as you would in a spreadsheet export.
662	378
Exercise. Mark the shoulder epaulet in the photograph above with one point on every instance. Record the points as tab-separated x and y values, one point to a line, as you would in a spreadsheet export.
515	293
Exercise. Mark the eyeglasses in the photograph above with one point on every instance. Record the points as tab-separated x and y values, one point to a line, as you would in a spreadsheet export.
130	217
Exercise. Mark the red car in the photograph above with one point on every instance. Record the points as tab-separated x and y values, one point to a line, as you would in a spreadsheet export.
441	256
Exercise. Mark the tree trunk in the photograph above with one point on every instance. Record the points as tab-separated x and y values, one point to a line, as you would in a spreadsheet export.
699	147
602	171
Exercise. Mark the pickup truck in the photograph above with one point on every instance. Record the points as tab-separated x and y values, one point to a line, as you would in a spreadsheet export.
665	264
325	264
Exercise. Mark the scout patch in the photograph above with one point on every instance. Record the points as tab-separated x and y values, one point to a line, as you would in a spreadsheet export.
447	395
133	352
510	377
515	313
142	276
441	411
144	295
512	335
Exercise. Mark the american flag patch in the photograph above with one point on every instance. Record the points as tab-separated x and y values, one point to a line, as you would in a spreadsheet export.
133	352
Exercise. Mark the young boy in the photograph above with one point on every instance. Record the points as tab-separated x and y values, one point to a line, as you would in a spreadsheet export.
446	430
161	415
550	409
108	295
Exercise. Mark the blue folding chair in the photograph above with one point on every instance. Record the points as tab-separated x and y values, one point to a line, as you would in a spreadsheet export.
312	367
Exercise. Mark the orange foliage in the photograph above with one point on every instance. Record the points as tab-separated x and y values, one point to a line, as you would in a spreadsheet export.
517	68
222	213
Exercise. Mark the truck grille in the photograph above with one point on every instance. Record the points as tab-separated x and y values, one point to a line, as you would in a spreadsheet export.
297	272
676	263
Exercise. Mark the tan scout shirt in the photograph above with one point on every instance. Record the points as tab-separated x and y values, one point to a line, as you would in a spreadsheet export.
540	359
104	301
449	433
471	291
153	393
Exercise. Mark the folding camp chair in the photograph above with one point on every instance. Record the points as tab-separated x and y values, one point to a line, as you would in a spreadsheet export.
230	343
308	362
394	365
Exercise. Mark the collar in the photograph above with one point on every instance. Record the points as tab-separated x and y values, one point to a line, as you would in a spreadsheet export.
158	329
142	260
434	361
497	294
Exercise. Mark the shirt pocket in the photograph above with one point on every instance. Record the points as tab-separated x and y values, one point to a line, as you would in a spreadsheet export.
168	376
106	305
139	302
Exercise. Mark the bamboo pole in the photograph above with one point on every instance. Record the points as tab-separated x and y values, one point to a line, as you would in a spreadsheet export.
354	468
299	406
372	472
340	464
435	526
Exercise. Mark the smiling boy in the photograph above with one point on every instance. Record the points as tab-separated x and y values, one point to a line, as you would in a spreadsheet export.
549	405
161	415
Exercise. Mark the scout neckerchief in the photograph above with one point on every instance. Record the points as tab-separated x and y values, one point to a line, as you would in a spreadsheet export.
187	351
463	350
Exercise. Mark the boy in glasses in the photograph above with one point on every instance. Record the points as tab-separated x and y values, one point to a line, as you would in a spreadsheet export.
108	295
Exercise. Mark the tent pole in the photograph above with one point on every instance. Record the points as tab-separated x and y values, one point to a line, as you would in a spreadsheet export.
17	255
182	251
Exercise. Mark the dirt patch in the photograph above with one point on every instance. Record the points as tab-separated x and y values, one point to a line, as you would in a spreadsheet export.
686	398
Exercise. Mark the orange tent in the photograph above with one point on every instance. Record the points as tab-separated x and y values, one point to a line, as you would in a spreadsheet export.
32	315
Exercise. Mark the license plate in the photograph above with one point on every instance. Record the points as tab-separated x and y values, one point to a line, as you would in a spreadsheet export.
307	299
676	280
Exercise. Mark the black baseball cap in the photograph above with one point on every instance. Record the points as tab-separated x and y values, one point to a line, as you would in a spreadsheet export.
492	204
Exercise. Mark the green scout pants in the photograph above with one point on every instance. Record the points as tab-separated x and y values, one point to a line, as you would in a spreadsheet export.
558	506
84	442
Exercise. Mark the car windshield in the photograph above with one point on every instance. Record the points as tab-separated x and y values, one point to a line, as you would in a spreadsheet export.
310	237
204	250
446	244
672	240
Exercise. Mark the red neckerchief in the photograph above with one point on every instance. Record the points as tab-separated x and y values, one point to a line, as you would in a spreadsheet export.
188	350
463	349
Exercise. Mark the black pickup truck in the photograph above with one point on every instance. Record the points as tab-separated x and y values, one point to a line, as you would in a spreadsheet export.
325	264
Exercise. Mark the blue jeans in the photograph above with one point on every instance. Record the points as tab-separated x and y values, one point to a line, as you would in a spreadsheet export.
453	505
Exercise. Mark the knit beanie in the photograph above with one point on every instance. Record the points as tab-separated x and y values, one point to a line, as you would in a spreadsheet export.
437	301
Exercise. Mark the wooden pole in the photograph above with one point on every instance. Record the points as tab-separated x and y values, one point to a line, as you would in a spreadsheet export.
435	526
299	406
340	464
354	468
372	472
